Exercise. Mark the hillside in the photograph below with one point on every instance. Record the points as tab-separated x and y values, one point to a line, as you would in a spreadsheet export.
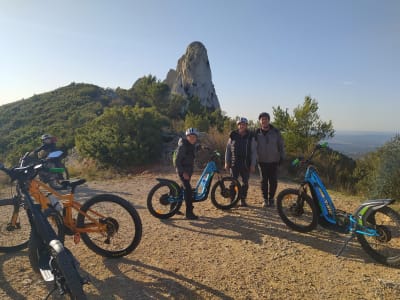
59	112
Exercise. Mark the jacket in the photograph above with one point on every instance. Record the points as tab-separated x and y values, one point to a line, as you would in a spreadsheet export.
270	146
185	157
240	149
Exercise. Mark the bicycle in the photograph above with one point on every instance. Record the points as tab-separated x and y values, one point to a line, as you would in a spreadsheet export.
47	253
108	224
374	223
166	197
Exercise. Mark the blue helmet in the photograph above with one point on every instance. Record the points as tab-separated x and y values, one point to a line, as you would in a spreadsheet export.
192	131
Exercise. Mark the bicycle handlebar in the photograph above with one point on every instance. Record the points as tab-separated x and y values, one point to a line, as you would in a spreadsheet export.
300	160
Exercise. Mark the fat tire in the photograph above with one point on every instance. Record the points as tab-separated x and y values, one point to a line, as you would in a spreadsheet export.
66	264
173	209
135	235
35	245
392	260
286	219
223	184
7	208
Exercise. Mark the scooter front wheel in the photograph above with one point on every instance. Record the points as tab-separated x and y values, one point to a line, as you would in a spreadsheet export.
296	210
163	201
225	193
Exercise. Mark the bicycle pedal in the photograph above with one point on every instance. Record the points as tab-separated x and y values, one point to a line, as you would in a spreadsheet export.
47	274
44	267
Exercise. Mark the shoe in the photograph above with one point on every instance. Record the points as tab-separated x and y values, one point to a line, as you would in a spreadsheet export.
191	216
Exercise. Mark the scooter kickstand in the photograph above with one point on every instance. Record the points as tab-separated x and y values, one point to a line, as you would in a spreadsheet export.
346	242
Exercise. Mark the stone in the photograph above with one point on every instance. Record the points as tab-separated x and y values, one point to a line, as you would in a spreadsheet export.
192	77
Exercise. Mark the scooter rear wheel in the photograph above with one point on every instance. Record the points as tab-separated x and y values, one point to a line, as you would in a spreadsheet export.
163	201
384	248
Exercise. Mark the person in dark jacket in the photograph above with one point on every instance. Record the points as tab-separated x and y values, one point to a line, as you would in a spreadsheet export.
270	154
48	145
184	167
240	156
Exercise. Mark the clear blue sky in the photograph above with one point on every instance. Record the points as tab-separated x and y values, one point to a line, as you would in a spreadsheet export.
343	53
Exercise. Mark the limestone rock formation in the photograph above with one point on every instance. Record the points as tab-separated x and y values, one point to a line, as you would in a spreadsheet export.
192	76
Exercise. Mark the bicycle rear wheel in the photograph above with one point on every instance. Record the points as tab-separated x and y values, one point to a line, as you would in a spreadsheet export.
15	227
121	226
384	248
225	193
158	201
297	211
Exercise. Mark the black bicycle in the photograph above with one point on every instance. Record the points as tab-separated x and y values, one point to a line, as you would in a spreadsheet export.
45	249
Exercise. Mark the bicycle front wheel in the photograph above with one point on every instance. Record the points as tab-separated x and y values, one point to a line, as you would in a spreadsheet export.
297	211
15	227
225	193
384	248
112	226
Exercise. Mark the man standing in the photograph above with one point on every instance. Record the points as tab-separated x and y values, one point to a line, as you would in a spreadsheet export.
240	156
184	167
270	154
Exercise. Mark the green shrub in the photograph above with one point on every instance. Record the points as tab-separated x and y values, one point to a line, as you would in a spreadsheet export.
122	137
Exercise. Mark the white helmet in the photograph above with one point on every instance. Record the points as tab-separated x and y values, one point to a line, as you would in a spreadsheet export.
242	120
191	131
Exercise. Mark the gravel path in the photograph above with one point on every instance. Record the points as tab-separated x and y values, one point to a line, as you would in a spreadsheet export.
244	253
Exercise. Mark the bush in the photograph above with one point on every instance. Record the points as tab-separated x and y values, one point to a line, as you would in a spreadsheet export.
122	137
379	173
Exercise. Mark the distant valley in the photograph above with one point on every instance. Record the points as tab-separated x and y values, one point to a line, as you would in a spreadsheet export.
357	143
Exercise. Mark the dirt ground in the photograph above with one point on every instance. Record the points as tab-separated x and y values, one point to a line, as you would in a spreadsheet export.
244	253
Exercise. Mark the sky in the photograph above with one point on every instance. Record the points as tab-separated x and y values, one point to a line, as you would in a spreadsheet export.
345	54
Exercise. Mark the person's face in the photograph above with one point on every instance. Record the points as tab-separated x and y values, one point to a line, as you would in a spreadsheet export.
264	122
192	138
47	141
242	127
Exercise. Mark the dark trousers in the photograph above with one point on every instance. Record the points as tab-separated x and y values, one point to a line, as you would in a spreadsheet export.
188	194
269	179
244	173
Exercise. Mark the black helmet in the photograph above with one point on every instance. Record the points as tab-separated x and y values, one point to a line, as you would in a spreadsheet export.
263	115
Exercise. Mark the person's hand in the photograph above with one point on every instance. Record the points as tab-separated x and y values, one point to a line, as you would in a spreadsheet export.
185	176
252	169
227	166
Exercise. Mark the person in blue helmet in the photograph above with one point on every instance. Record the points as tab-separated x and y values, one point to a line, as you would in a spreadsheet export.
270	154
240	155
184	167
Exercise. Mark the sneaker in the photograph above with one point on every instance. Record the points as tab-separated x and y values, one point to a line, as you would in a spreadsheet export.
191	216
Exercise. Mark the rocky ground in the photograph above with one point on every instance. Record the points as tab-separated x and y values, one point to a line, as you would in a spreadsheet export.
244	253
